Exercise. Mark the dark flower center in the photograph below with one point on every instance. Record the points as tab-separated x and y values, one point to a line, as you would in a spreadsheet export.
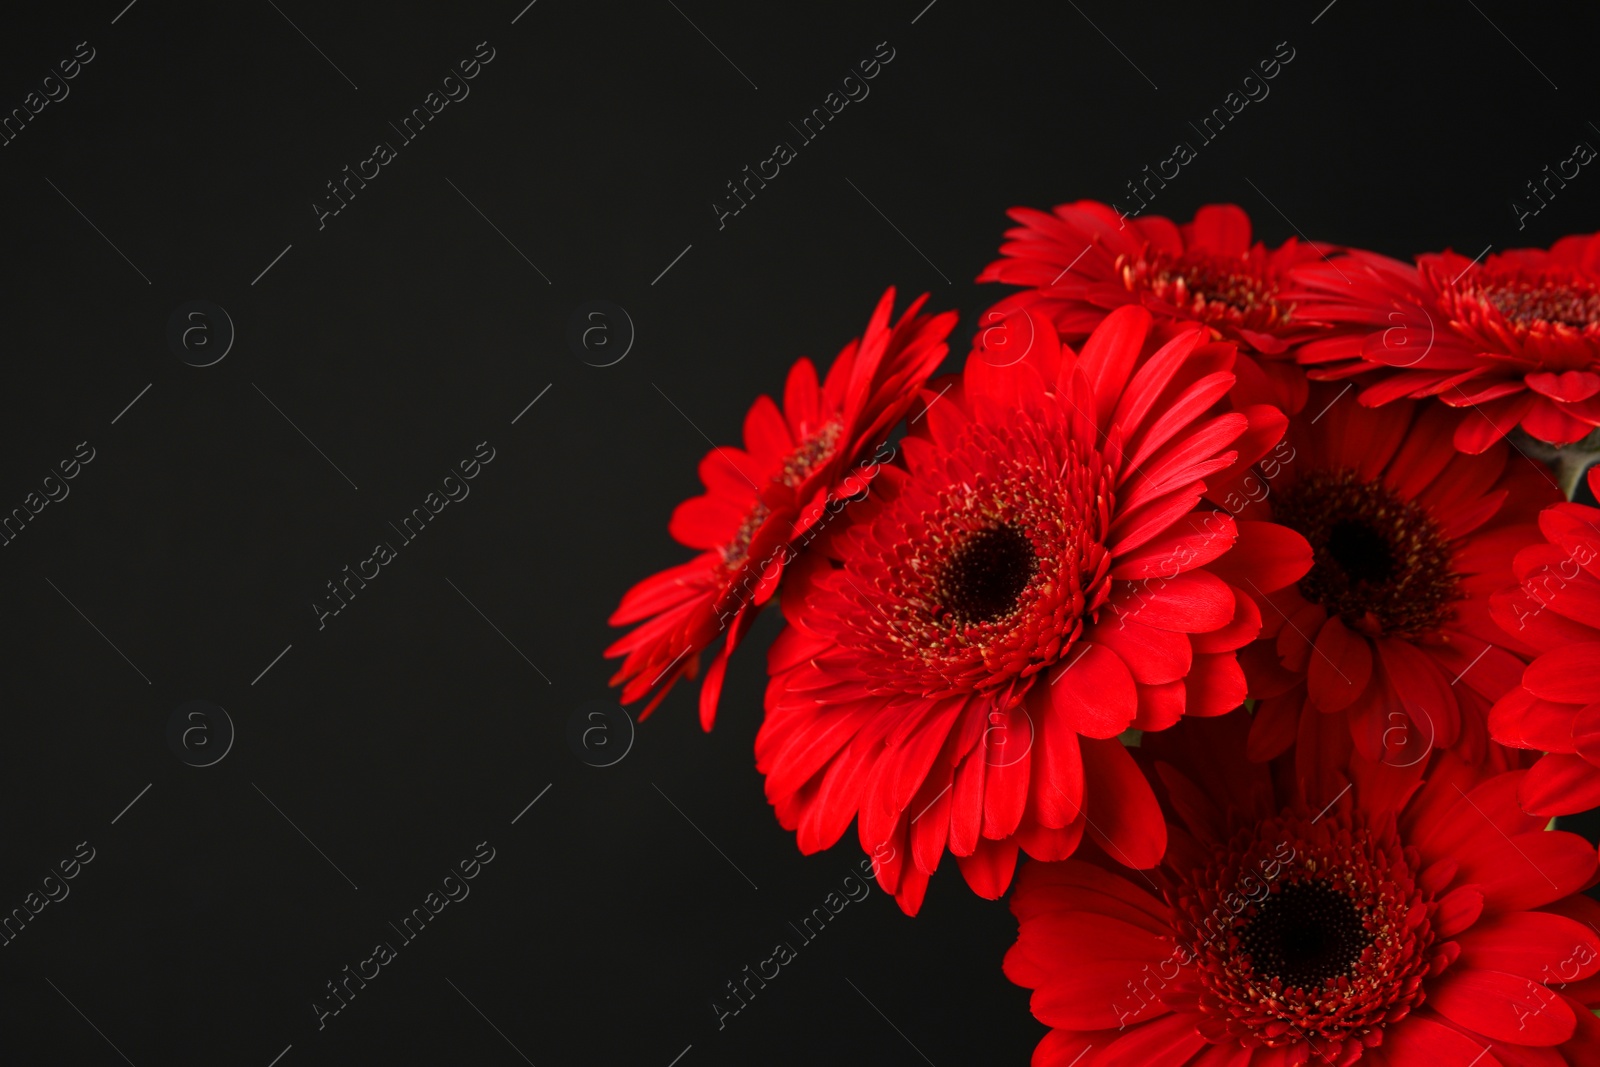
1571	302
1305	934
810	455
1216	290
737	550
1361	552
1381	564
797	466
1547	316
984	577
1303	930
982	565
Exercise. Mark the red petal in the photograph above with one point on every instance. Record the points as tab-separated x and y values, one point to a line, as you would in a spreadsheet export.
1151	379
1419	1039
1160	706
1222	229
1483	425
1094	692
1121	809
1079	936
1546	948
1568	386
1550	421
988	870
1172	1039
1215	685
1458	910
1424	692
1059	1048
1153	656
765	433
1274	725
1322	755
707	521
1570	674
711	684
1265	555
1340	667
1078	886
1426	451
1195	602
1108	356
966	802
1084	995
1267	674
1521	720
1531	869
1056	787
1046	844
1245	627
1007	744
1502	1006
800	397
1560	785
1193	541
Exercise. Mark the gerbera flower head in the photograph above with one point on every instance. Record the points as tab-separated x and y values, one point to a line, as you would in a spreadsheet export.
1388	638
1401	920
1039	576
1555	607
764	502
1083	259
1511	341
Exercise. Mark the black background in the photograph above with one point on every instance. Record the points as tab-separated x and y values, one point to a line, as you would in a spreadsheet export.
408	330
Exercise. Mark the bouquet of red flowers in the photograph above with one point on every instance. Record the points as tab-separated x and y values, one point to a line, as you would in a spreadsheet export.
1236	587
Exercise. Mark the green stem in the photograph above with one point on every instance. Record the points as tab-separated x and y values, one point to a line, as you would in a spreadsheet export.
1568	461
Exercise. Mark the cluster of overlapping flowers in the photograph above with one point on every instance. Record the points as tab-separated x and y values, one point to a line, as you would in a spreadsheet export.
1236	587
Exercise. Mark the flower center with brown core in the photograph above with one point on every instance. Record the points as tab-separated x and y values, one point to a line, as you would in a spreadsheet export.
736	551
1555	298
1217	290
984	577
1304	930
812	453
797	466
1361	552
983	566
1305	934
1380	563
1545	316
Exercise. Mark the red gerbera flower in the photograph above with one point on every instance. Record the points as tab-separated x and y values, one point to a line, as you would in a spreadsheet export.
1035	581
1389	924
762	502
1086	258
1555	607
1391	628
1514	339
